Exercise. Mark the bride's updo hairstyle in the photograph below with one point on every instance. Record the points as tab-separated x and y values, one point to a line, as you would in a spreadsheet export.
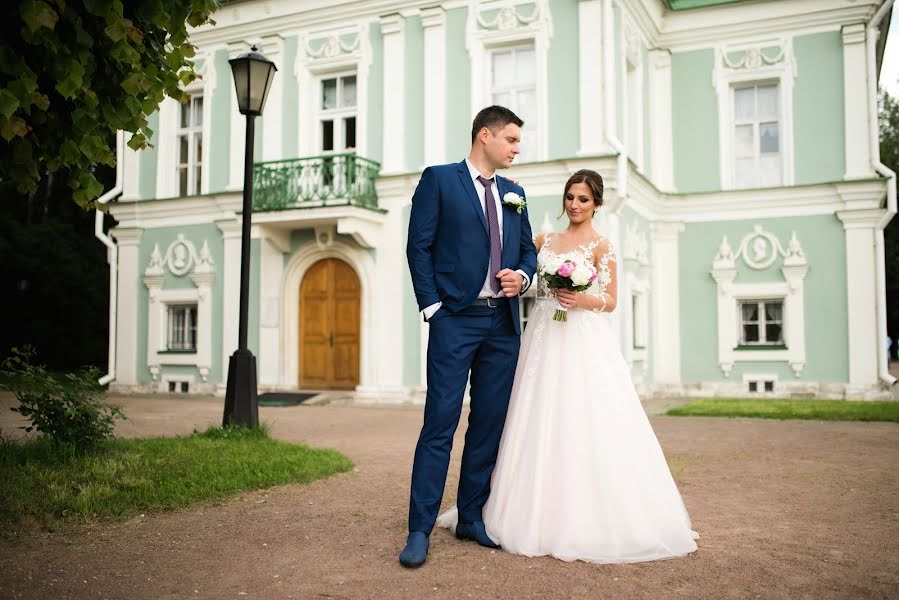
592	179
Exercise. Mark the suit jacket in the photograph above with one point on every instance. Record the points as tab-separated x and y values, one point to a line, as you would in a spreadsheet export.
448	246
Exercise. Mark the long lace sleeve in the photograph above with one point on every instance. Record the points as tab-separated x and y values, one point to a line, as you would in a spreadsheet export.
607	279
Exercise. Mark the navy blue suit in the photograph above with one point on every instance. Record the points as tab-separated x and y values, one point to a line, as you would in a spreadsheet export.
449	254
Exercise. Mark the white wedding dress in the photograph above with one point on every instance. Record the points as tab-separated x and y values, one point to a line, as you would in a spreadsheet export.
580	474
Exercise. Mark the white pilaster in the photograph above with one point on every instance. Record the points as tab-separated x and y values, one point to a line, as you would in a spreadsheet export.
230	291
660	119
666	304
131	180
389	270
204	279
394	151
590	76
434	22
273	120
861	289
128	241
855	103
167	149
271	272
238	130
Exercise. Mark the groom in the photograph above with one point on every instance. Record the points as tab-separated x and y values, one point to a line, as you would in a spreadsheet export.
471	255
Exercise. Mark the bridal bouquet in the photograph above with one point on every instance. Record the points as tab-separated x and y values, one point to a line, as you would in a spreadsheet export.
574	274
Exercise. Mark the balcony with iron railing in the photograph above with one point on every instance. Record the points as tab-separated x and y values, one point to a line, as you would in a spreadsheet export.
315	181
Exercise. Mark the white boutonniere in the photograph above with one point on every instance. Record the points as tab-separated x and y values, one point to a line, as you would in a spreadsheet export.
513	200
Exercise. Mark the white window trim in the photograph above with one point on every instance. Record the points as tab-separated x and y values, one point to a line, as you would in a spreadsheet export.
337	115
725	79
637	287
165	379
491	90
190	131
481	40
157	328
760	379
332	60
201	268
791	289
635	270
169	126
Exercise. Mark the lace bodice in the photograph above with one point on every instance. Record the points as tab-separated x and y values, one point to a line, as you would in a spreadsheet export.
604	276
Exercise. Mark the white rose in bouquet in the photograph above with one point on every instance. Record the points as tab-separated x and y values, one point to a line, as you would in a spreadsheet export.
551	265
581	275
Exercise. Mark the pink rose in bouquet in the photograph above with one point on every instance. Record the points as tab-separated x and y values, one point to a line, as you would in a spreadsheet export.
574	274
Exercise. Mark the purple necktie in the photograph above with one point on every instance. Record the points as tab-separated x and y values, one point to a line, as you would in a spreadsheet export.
493	233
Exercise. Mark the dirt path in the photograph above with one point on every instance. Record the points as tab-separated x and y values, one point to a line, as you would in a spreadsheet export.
792	509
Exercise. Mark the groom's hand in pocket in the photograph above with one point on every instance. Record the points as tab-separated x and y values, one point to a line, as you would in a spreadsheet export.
511	282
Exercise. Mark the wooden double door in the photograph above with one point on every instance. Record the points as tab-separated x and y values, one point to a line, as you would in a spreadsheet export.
330	303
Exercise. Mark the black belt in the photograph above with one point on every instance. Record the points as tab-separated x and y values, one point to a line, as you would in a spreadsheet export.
490	302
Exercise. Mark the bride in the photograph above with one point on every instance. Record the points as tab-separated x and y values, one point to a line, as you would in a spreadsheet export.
580	474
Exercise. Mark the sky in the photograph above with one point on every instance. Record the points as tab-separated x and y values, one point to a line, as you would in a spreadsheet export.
889	69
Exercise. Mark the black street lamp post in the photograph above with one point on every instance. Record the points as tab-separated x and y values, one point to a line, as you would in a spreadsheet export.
253	74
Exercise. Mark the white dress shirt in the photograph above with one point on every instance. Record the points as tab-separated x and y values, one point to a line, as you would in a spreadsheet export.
486	290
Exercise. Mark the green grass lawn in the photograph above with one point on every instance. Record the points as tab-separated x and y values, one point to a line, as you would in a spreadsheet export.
826	410
46	485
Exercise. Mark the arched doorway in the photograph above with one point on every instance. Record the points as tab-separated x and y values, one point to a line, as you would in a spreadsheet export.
329	306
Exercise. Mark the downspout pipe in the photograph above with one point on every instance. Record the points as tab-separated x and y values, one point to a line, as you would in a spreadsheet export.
873	32
112	253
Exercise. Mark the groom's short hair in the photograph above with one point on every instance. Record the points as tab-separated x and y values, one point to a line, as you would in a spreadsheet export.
493	118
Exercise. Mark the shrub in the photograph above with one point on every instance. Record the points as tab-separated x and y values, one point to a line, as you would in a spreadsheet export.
70	412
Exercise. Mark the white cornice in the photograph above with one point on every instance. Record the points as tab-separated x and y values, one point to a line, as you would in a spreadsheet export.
174	212
126	236
791	201
364	225
854	34
860	219
252	20
647	16
392	23
542	179
701	28
433	16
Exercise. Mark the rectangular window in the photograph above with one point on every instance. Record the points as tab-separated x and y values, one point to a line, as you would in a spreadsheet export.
513	84
337	113
182	327
758	159
638	320
190	146
759	385
761	323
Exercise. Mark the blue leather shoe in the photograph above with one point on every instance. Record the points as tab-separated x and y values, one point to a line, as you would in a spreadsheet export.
477	532
416	551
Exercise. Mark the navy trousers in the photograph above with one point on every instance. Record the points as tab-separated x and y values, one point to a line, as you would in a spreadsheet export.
480	340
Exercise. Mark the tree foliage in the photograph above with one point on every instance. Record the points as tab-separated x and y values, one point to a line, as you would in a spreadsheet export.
73	72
